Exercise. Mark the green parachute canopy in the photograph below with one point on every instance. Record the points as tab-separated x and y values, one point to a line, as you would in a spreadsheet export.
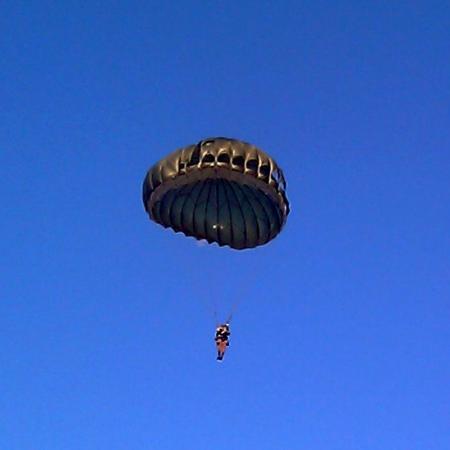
222	190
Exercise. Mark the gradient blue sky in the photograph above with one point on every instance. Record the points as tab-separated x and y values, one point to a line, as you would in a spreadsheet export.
341	341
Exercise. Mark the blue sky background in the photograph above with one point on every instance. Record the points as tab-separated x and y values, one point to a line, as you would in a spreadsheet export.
341	340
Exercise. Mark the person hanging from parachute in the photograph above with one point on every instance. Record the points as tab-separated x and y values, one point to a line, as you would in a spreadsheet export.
221	190
222	339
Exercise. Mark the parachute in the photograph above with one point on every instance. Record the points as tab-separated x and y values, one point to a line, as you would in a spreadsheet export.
220	190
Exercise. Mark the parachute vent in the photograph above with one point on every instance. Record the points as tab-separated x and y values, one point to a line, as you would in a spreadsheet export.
238	161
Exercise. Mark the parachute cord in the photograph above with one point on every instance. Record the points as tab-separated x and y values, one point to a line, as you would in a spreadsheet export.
243	292
234	307
211	308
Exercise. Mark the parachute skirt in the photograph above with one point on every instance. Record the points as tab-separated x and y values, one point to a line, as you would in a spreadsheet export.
223	190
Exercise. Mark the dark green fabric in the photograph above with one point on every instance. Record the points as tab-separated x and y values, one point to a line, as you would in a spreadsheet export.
221	211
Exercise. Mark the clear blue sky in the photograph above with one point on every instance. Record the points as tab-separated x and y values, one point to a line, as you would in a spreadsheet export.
341	341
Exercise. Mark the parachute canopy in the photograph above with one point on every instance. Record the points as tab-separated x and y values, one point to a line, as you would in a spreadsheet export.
222	190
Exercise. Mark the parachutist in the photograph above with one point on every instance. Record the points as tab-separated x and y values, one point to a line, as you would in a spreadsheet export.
222	341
